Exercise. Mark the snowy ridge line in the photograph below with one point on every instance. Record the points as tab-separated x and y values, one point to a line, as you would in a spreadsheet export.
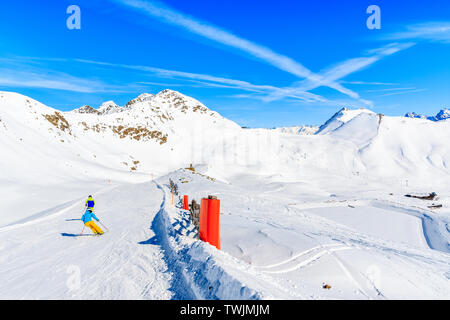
199	272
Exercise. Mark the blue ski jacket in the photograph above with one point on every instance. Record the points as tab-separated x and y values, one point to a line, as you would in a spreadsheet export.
88	215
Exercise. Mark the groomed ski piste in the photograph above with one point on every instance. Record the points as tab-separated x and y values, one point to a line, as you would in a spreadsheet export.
319	216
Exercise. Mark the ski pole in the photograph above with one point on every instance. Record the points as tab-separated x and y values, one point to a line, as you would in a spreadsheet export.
82	231
103	225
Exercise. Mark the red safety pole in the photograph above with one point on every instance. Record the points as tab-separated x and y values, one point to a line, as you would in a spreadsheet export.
203	228
213	222
185	203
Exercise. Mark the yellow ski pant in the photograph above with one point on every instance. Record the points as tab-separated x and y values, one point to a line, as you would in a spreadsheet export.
95	228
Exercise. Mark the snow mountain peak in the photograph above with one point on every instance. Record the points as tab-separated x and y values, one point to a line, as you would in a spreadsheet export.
341	117
168	117
108	107
443	114
86	110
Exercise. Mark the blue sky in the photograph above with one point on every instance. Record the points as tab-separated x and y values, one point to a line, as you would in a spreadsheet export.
259	63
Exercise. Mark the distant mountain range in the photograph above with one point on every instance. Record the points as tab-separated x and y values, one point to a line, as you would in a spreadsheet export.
442	115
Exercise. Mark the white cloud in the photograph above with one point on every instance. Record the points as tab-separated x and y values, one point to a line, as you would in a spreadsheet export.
261	91
219	35
434	31
330	76
391	89
402	92
370	83
59	81
33	72
224	37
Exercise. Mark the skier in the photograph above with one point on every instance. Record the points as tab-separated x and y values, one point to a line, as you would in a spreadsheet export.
90	203
87	220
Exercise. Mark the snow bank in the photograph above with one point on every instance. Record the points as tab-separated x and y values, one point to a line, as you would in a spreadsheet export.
288	245
206	271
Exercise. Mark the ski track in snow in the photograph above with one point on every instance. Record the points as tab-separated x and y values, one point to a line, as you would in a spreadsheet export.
295	262
113	266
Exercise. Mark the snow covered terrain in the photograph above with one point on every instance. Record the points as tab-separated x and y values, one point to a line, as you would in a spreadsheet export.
299	210
68	152
298	130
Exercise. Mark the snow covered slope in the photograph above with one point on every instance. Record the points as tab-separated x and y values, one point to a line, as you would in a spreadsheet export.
298	210
44	259
276	244
365	243
341	117
412	149
51	157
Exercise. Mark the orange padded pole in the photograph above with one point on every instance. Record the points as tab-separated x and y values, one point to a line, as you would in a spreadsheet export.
185	203
213	222
203	228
